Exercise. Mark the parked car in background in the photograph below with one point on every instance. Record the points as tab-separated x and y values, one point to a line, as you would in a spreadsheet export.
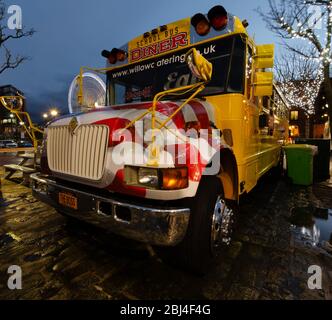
24	144
8	144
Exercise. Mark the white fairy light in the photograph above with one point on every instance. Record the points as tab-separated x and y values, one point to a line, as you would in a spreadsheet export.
302	93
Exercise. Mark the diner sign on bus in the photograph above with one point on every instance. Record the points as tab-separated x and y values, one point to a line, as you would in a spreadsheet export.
176	36
209	50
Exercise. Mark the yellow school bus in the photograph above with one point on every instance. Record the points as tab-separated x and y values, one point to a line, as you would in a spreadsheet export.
191	121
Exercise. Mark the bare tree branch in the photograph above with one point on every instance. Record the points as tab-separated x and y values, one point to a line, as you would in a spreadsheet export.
6	36
291	19
299	80
10	62
19	34
306	20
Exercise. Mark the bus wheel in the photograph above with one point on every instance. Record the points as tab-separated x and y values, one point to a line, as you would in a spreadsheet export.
221	227
208	231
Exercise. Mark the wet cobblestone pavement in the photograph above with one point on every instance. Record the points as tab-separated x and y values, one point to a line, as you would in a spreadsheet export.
69	260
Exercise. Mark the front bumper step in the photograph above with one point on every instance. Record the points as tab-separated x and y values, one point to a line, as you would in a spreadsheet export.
149	224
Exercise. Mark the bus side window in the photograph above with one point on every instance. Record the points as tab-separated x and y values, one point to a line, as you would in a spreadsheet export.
266	102
249	73
271	123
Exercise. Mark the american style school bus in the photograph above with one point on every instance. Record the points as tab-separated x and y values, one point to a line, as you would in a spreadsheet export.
191	121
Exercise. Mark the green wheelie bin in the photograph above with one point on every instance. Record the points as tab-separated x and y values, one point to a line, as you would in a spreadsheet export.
300	163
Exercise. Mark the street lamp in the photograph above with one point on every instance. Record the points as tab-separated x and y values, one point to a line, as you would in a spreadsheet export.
45	115
54	112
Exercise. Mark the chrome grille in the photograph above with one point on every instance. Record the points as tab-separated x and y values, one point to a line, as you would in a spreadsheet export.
81	154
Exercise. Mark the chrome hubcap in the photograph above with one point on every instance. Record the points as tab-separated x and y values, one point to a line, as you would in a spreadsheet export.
221	224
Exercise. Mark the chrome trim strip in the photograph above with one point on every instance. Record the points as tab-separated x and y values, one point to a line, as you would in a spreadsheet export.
149	224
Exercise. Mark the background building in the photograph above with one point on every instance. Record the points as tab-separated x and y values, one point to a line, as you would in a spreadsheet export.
9	124
299	123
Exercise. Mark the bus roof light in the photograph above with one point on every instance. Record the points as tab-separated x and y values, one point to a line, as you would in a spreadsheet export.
115	55
121	55
201	24
111	56
245	23
105	53
218	17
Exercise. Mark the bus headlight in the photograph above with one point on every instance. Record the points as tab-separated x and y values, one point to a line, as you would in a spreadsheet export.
148	177
157	178
174	178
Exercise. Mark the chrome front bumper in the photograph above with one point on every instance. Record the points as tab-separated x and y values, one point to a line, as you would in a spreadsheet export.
149	224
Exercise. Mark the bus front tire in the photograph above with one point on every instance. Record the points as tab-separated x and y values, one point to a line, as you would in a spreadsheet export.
209	229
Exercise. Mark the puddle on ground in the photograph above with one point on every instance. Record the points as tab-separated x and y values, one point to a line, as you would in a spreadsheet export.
32	257
312	225
2	200
8	238
5	239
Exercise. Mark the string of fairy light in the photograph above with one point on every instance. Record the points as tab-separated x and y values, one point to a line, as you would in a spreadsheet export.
303	93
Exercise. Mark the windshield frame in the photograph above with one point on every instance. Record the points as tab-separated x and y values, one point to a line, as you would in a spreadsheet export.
110	85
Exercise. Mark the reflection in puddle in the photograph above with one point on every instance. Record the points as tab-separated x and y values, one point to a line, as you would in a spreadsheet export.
312	225
2	200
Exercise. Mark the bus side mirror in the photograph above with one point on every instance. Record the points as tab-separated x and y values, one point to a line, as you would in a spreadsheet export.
264	58
198	65
263	85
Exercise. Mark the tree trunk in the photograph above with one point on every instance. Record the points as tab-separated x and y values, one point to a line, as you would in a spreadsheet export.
328	92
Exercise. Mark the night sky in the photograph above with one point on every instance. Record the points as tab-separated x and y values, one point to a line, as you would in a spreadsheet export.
72	33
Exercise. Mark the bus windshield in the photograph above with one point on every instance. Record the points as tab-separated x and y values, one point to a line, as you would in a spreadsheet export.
141	81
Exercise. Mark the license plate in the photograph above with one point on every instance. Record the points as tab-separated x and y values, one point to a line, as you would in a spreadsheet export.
68	200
